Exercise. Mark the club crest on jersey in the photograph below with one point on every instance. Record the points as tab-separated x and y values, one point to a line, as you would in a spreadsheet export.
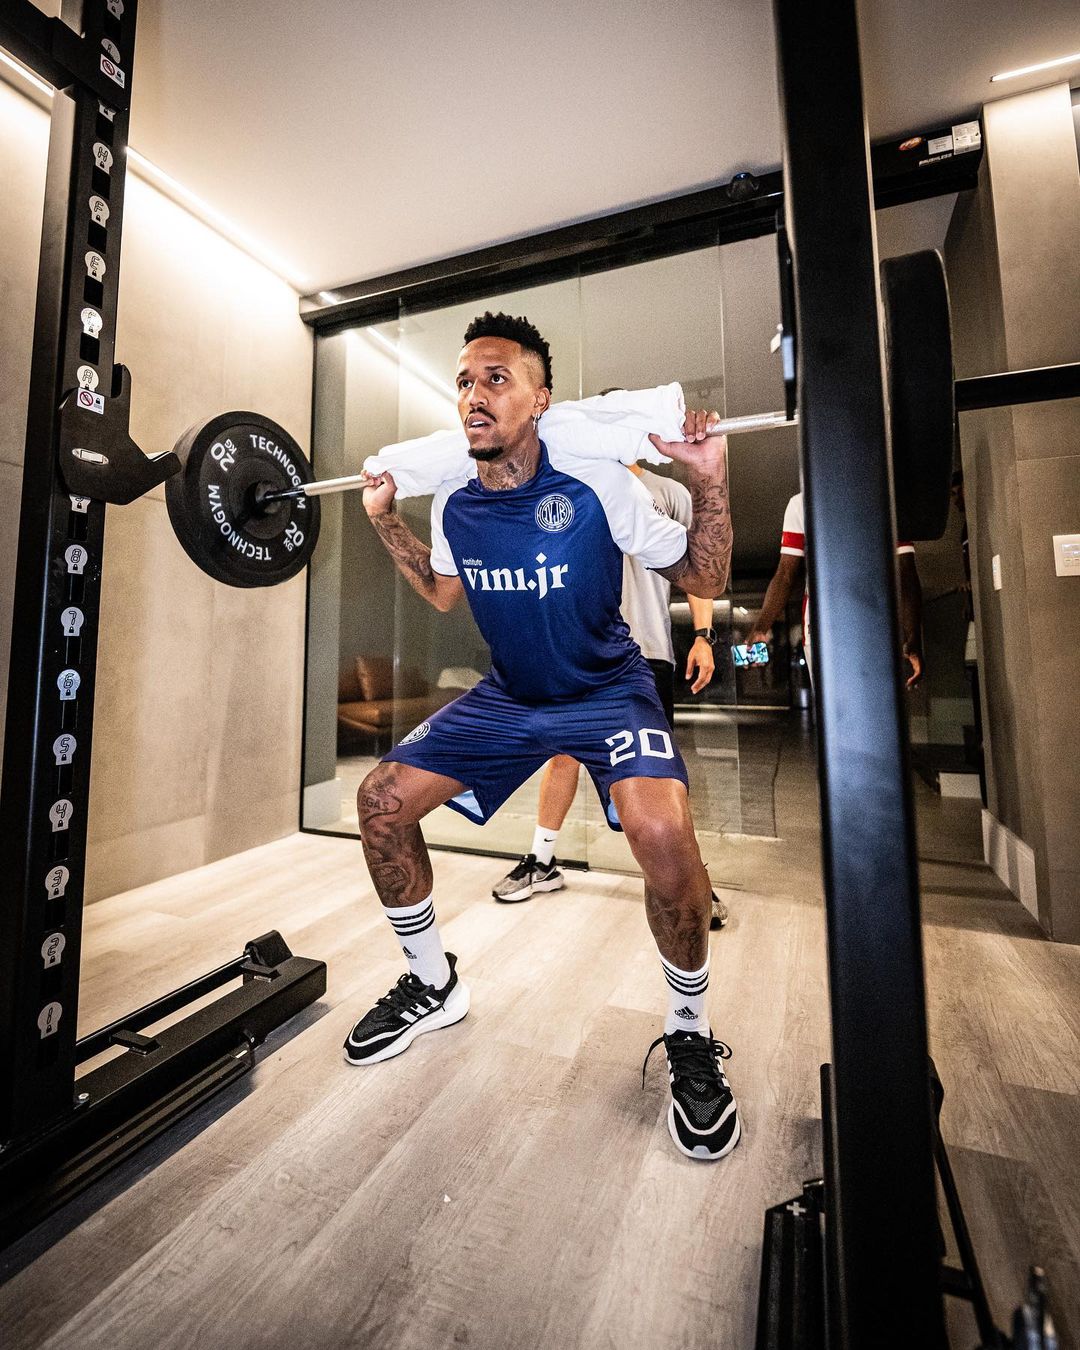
417	734
555	513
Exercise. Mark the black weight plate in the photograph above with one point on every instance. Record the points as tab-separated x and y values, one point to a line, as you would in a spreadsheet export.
211	501
918	341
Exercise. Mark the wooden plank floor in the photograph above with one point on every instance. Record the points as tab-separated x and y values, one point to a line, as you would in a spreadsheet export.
507	1182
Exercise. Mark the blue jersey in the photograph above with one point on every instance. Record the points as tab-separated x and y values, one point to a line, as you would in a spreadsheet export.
542	567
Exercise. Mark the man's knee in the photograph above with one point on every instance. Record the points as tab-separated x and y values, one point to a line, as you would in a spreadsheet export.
658	826
654	836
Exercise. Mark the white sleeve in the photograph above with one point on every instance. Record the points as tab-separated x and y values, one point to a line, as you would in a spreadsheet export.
680	504
638	525
793	539
442	560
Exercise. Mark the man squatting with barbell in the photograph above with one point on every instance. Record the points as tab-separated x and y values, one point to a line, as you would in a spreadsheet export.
565	677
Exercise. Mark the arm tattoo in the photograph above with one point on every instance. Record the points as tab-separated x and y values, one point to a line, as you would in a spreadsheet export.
413	558
705	567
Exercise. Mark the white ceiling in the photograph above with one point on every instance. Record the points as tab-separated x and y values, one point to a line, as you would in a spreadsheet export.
354	138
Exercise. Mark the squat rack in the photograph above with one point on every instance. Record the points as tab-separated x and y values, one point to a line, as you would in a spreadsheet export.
857	1260
59	1132
882	1284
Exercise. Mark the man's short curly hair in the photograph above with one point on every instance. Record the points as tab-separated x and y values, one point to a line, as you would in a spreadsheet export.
515	330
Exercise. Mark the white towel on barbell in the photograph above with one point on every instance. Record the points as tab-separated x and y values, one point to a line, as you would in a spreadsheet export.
609	426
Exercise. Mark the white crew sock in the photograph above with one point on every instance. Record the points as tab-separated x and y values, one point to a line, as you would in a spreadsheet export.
686	998
420	941
544	845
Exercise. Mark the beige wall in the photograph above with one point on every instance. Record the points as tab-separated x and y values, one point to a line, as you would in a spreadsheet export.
1012	258
197	724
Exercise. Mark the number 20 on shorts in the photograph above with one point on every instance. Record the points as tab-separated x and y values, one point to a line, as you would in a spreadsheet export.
653	742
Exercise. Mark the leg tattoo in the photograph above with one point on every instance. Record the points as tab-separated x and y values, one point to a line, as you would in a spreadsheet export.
394	847
680	923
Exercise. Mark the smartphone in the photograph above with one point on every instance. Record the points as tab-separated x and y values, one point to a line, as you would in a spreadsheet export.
757	655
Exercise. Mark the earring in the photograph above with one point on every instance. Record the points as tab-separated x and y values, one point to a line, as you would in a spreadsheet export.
536	420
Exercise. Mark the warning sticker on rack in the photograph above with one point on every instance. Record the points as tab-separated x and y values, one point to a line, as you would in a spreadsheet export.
112	71
90	401
940	145
966	136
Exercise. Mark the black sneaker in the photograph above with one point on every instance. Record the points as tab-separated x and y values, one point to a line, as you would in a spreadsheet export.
408	1010
702	1119
528	876
719	915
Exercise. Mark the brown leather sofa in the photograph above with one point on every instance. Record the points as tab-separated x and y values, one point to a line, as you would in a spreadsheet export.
372	704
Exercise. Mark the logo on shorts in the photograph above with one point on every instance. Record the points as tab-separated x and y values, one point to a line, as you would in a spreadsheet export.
555	513
417	734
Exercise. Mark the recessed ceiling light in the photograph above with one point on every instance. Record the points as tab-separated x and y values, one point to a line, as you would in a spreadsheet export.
1030	70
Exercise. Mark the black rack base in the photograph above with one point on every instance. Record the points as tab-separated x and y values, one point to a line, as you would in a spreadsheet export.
155	1082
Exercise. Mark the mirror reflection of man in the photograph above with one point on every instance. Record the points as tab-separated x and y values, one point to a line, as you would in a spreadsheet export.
536	547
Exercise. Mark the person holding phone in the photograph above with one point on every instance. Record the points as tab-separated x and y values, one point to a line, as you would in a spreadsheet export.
645	607
791	571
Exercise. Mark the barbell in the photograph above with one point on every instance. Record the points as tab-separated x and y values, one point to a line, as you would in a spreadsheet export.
245	505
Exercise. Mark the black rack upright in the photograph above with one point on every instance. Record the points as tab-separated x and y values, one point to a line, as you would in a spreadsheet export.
57	1133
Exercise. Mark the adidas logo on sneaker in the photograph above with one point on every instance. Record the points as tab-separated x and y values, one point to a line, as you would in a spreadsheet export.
687	1014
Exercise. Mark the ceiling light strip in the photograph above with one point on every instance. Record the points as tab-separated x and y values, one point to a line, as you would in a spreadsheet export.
165	183
1031	70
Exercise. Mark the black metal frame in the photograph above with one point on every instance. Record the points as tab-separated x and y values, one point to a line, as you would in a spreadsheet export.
58	1133
1042	384
800	1258
61	538
156	1080
868	1231
883	1281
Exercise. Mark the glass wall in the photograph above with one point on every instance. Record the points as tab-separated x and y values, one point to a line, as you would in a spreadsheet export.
381	659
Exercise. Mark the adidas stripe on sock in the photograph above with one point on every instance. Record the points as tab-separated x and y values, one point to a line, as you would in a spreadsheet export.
686	998
420	941
544	845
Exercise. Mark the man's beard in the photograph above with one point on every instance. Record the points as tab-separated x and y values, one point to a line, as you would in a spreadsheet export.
492	452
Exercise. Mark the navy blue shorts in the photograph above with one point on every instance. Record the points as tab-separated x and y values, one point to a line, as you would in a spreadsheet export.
491	743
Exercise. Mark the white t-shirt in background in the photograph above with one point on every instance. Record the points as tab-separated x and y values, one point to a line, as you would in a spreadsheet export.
793	542
646	595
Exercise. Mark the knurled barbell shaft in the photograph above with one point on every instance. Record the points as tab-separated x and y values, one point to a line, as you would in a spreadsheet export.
728	426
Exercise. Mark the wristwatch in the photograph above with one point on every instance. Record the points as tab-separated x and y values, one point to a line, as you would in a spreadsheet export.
709	634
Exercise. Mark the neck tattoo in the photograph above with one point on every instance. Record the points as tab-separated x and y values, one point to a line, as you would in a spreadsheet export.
500	475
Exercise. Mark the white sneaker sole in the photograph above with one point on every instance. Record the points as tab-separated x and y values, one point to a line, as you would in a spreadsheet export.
453	1010
518	896
699	1152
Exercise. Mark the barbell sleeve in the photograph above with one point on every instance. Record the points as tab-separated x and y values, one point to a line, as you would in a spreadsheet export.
727	426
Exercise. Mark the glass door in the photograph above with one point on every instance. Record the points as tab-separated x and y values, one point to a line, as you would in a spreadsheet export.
445	652
381	659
